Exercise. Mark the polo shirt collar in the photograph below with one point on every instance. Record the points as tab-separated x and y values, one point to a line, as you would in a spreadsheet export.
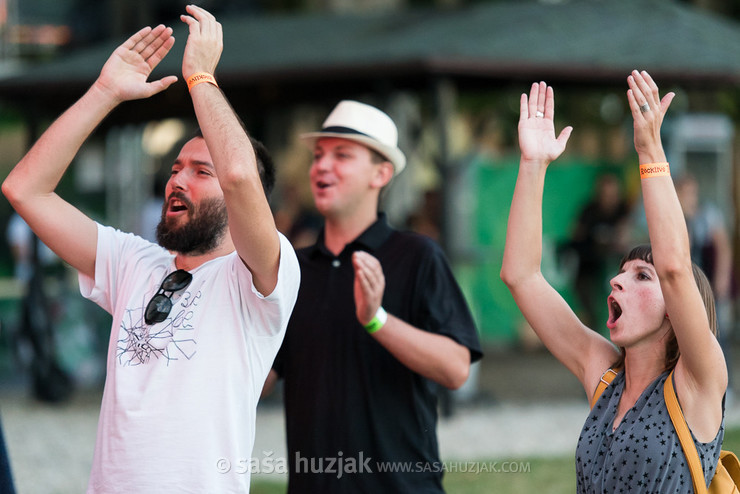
371	239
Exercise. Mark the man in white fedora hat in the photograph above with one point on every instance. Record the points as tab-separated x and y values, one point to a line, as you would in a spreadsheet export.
379	323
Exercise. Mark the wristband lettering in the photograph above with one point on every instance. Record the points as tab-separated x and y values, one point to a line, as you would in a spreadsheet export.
648	170
199	77
377	322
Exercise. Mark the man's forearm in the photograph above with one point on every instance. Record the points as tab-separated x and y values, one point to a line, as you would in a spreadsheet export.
251	224
228	142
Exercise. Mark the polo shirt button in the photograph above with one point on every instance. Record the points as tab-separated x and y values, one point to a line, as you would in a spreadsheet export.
336	263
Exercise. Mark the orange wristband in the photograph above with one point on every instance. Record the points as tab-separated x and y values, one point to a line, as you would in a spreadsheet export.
199	77
655	170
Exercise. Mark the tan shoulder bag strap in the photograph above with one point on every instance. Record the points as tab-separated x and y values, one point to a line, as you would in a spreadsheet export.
684	435
606	378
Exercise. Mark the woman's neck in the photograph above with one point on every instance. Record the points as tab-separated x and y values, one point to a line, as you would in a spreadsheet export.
641	368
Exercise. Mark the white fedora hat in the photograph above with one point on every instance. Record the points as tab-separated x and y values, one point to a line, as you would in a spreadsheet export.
365	124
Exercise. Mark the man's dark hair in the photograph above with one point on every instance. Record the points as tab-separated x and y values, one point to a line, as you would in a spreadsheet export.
265	165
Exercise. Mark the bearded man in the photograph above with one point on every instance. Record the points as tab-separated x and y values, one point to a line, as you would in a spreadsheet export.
197	319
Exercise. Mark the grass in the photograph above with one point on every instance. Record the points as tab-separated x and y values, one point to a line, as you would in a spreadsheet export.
551	475
732	441
263	487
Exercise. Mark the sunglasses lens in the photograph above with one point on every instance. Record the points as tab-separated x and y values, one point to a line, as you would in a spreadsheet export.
157	309
160	305
177	280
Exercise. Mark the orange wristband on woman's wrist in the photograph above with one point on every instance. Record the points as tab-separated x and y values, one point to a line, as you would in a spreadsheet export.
648	170
199	77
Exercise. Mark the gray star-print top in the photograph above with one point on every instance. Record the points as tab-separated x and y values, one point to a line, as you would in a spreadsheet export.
643	454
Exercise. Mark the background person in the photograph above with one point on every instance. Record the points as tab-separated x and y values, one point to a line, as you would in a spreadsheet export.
38	269
599	239
711	250
6	475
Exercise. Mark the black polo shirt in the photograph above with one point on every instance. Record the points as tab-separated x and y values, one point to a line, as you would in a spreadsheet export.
352	409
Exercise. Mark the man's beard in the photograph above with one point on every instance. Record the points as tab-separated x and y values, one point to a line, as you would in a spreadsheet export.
203	231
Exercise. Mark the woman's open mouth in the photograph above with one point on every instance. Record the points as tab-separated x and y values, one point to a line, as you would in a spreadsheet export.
615	311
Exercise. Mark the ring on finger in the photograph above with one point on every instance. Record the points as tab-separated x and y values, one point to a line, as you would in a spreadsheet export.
539	114
645	108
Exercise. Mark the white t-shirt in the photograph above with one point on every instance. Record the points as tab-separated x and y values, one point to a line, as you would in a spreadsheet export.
180	396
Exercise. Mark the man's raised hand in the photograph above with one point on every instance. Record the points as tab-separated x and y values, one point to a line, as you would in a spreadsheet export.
124	76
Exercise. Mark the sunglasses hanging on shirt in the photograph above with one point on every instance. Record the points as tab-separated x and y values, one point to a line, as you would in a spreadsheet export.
160	305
